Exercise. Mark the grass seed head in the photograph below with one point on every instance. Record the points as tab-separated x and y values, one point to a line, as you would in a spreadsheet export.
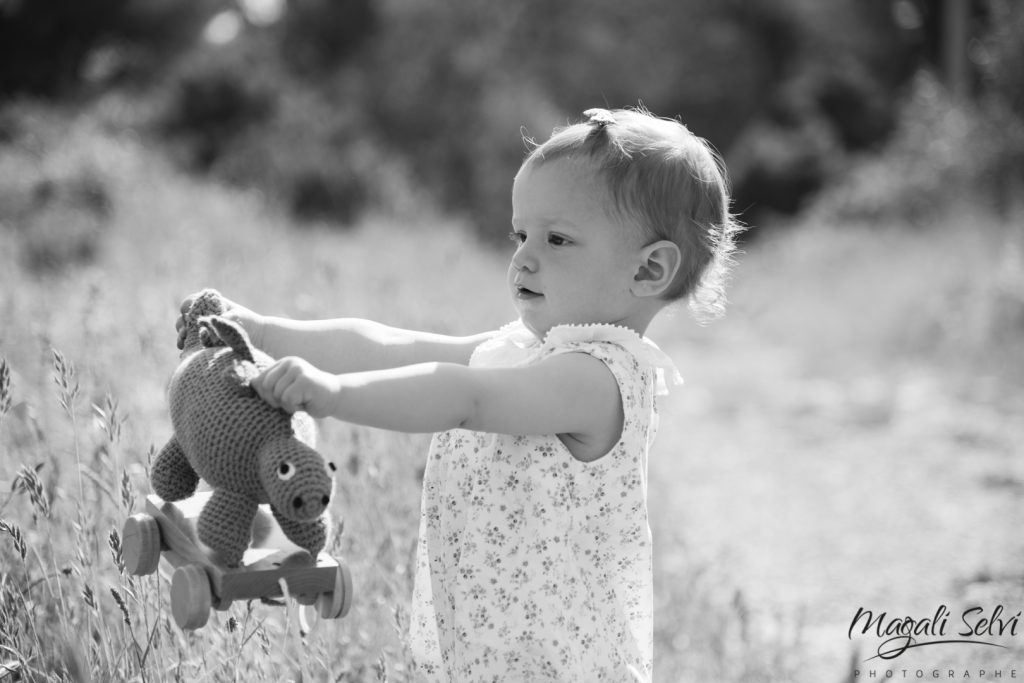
15	533
127	492
119	599
116	551
110	420
27	481
67	383
5	387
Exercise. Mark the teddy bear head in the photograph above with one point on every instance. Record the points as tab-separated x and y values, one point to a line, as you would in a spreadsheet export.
294	479
208	302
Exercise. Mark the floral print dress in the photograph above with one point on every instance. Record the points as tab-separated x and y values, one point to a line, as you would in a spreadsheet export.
533	565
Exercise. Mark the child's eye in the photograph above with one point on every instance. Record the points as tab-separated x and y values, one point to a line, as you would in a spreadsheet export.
517	237
557	240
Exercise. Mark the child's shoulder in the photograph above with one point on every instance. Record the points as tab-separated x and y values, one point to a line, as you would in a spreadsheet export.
614	343
515	345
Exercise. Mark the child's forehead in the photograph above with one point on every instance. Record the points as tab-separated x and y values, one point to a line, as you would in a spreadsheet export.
556	182
577	172
564	191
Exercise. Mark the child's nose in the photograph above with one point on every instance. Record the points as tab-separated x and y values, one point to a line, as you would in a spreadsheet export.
524	259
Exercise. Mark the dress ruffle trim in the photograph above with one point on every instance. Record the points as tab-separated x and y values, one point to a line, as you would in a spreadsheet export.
516	345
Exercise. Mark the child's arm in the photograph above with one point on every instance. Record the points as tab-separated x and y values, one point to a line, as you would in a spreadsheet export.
572	394
345	344
353	344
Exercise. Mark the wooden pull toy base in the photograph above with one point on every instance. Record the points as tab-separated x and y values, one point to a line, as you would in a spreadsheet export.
201	582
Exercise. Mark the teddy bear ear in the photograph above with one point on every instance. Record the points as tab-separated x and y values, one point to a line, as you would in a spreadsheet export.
232	334
208	334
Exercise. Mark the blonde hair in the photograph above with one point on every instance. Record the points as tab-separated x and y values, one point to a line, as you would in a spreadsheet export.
668	182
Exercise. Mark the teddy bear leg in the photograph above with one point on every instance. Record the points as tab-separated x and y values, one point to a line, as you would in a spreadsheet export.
172	476
225	524
310	536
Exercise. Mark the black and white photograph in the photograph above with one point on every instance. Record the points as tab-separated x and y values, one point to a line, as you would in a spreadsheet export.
664	341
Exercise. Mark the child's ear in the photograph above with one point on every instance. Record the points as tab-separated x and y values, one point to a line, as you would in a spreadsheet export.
659	263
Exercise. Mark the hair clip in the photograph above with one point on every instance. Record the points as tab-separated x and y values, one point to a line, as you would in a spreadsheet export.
599	117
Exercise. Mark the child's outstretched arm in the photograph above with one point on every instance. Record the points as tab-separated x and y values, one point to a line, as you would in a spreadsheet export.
354	344
573	395
345	344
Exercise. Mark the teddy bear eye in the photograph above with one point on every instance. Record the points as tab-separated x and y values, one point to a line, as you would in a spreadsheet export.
285	471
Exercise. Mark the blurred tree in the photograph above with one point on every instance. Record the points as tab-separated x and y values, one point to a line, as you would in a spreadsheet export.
450	80
306	100
215	95
836	92
43	43
316	36
999	56
48	47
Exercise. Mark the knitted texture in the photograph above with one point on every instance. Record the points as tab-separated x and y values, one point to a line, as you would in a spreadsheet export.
247	451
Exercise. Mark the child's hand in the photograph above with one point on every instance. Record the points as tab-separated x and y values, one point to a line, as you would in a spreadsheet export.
294	384
250	321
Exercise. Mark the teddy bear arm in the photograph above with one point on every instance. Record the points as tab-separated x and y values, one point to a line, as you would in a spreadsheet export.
225	524
172	476
311	536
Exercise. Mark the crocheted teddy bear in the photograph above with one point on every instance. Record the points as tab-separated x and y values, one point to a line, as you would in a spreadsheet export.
247	451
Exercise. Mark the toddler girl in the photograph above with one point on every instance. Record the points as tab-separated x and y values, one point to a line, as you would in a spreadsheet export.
534	559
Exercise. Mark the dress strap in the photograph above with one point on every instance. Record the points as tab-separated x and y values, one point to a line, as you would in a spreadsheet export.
646	351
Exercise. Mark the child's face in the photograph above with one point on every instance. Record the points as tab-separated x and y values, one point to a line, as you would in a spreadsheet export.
574	262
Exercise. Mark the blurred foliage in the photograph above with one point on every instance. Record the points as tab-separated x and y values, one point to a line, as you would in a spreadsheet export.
720	66
54	47
944	153
214	98
947	151
1000	55
56	201
316	36
335	106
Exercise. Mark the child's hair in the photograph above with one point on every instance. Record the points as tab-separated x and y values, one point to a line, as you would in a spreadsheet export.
668	182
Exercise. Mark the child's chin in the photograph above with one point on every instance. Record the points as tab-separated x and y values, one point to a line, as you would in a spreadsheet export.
538	329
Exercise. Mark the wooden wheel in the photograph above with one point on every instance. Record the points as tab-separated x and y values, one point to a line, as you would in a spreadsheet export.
191	598
140	544
336	604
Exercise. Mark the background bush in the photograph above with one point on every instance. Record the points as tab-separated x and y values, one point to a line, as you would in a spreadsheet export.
327	105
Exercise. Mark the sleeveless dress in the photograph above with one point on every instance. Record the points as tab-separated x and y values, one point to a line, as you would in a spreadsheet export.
532	565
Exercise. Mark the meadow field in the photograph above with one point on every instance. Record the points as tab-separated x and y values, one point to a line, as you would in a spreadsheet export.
849	435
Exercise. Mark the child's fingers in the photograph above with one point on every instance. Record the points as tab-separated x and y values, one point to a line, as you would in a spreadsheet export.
179	324
264	384
293	397
273	384
179	327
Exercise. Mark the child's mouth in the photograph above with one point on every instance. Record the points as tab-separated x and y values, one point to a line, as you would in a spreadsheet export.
525	293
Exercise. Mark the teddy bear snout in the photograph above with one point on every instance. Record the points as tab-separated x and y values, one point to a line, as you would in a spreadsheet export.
311	504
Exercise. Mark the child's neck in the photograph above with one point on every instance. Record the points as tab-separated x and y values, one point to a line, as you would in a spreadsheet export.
638	321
